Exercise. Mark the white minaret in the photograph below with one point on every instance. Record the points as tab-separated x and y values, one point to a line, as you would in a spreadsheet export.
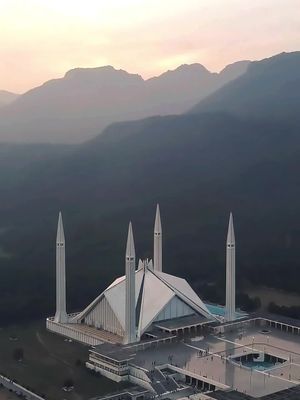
61	312
157	258
130	329
230	272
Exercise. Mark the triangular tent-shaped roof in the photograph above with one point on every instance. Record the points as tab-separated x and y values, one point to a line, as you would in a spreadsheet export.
154	291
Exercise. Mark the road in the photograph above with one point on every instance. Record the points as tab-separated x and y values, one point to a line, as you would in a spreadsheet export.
15	387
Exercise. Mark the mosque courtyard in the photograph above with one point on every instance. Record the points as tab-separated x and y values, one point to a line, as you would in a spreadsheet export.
217	358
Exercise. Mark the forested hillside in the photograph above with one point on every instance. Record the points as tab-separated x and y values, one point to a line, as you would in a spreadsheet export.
198	166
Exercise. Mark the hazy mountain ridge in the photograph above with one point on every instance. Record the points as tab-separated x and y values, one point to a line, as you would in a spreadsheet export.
7	97
269	89
86	100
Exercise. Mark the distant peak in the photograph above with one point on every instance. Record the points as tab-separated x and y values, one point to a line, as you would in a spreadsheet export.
6	92
191	67
184	70
80	70
236	65
106	70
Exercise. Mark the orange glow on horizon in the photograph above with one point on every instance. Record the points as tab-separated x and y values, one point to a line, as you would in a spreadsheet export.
42	39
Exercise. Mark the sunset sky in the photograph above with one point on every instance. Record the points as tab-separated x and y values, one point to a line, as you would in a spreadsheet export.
42	39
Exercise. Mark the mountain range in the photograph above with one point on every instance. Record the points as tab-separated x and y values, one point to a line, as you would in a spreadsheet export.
7	97
270	89
80	105
217	157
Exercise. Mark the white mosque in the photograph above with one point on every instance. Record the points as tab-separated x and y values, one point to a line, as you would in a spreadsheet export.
151	329
144	303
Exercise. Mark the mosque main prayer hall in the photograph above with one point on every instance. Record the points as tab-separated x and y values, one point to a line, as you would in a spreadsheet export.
151	328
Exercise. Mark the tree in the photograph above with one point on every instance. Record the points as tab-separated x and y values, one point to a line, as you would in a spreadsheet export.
68	382
78	362
18	354
247	303
291	312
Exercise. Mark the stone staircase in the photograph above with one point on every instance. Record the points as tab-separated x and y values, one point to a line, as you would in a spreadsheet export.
160	383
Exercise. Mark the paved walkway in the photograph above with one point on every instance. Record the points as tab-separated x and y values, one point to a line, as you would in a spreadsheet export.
18	389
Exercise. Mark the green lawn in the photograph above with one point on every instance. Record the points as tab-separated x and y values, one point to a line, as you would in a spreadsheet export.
48	361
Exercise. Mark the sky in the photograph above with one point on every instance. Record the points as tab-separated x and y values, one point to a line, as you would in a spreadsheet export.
42	39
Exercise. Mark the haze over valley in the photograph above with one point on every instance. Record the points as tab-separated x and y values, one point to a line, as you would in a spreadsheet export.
232	150
80	105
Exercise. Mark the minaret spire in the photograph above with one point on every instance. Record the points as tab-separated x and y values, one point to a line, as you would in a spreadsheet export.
61	313
130	323
230	272
157	258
